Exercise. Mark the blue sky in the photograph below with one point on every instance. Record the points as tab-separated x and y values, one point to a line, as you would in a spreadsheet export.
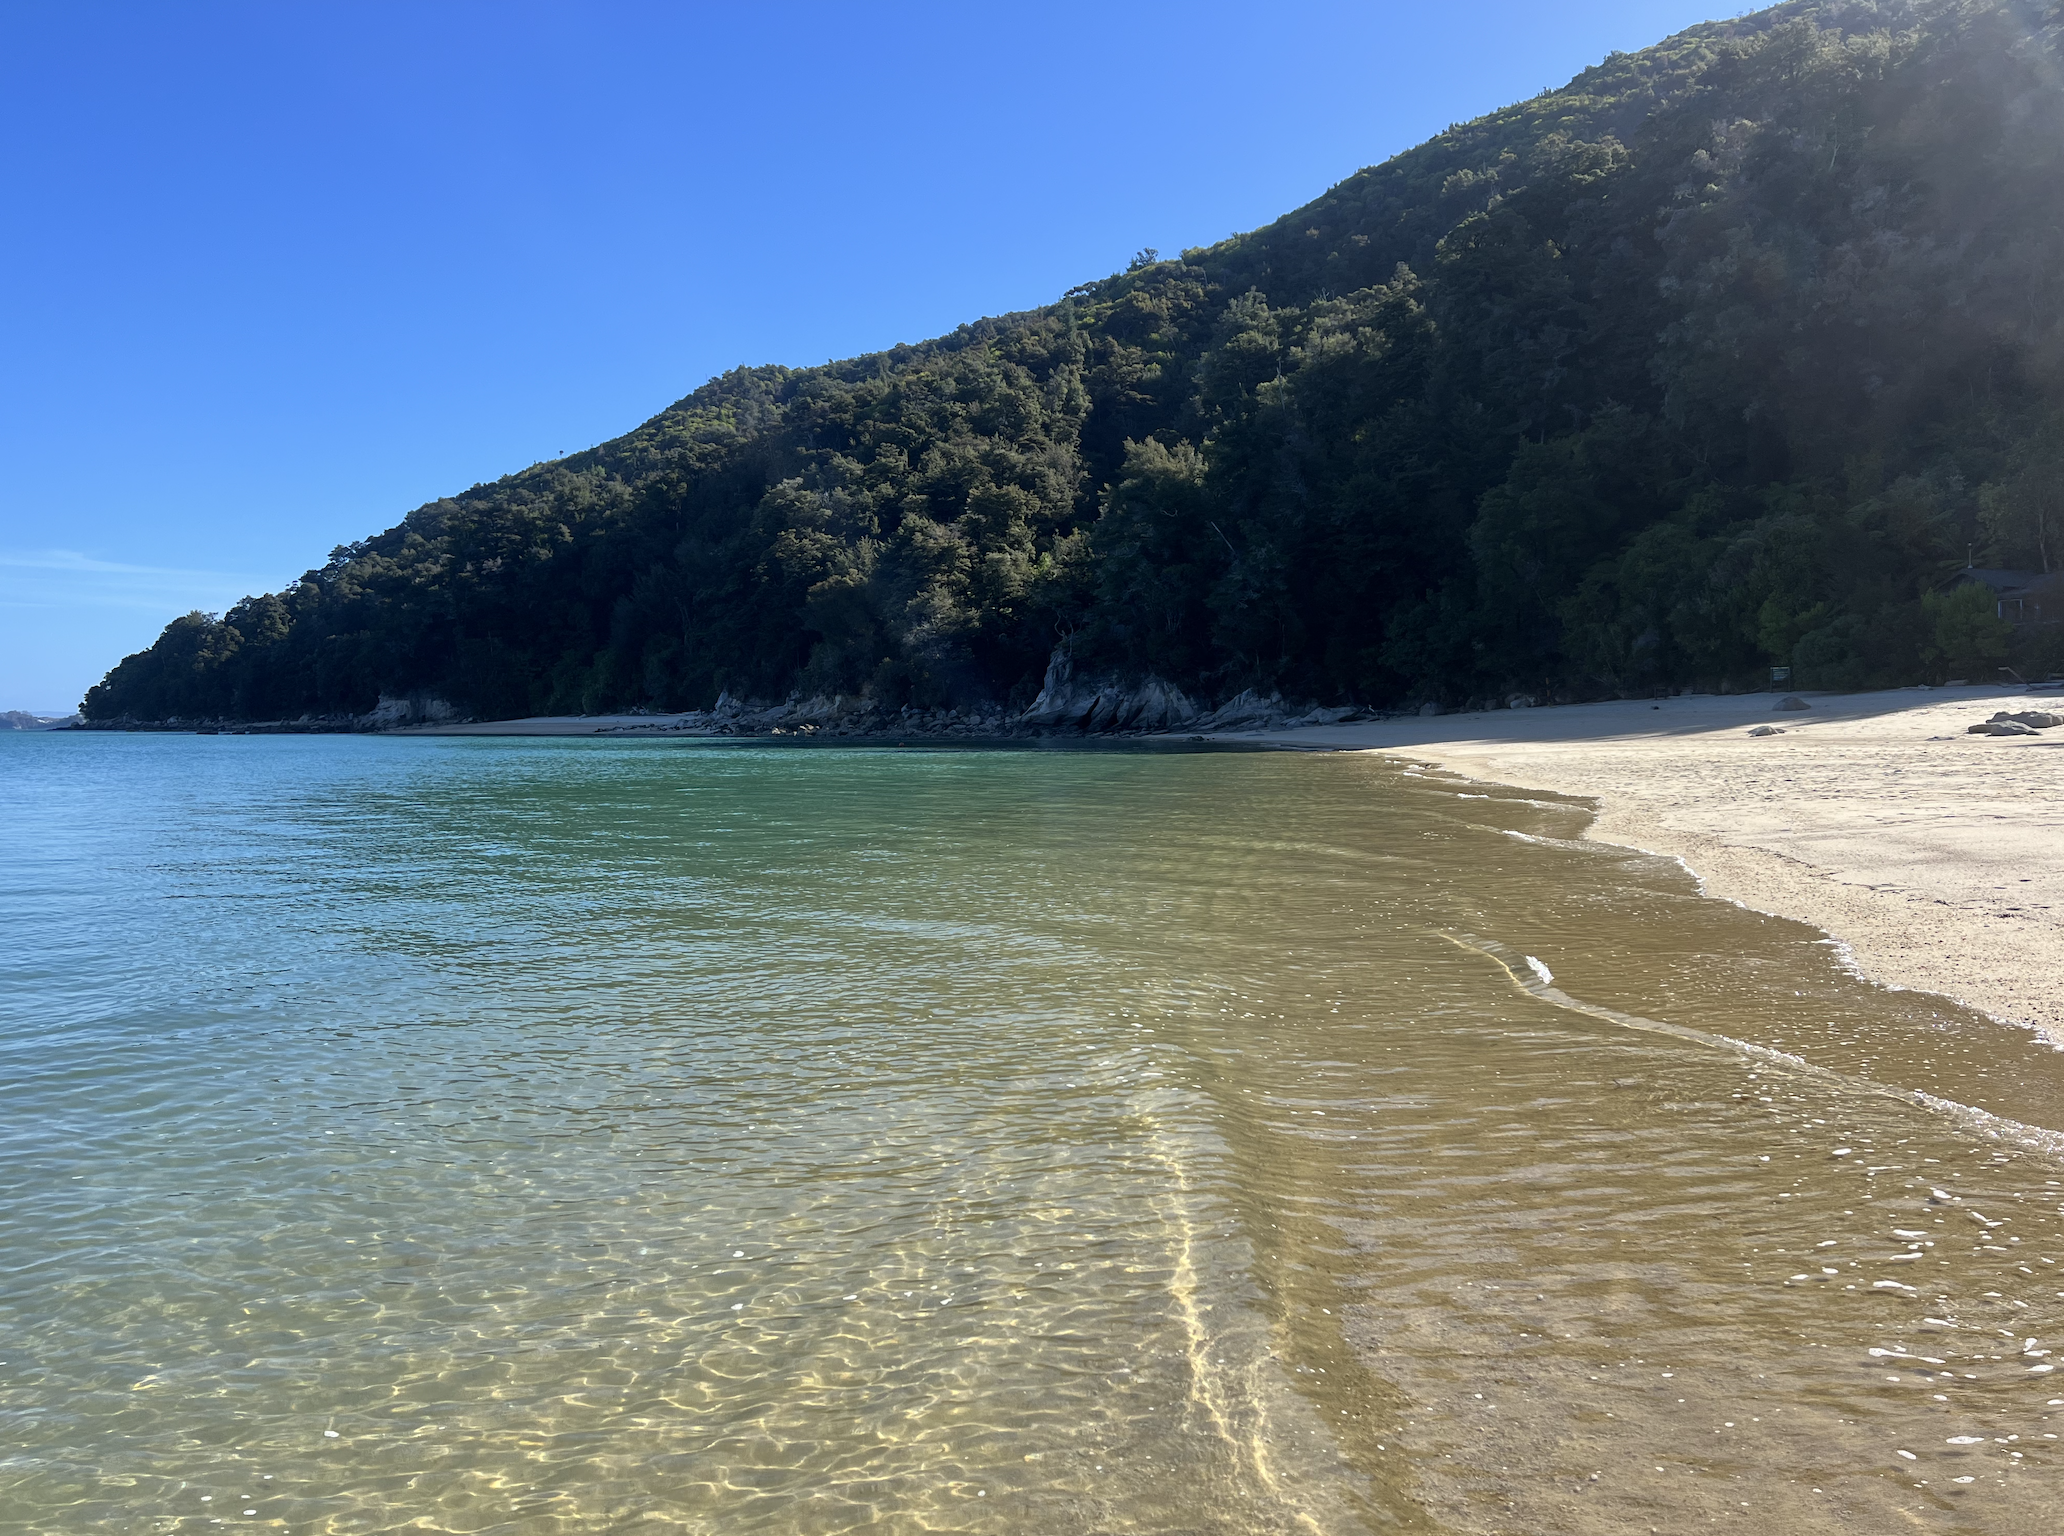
277	273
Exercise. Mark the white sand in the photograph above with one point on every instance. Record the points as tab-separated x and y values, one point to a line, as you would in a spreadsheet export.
1936	856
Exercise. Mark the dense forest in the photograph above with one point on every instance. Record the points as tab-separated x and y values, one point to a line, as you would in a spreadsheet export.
1729	354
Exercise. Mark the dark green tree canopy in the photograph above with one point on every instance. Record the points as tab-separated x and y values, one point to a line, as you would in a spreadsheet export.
1727	354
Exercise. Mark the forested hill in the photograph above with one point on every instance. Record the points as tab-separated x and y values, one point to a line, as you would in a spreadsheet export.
1728	354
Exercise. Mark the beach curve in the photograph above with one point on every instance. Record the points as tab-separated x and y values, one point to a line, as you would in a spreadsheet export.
1934	857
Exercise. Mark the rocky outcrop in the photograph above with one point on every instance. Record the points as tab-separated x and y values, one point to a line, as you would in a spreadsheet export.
407	709
1099	705
1256	711
1070	703
1103	704
1250	710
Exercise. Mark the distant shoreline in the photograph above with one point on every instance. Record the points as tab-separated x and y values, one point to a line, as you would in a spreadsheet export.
34	720
1935	857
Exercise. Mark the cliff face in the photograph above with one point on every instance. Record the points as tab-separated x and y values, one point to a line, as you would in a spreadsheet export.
1724	356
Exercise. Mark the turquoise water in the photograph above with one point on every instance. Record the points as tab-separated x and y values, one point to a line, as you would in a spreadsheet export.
569	1136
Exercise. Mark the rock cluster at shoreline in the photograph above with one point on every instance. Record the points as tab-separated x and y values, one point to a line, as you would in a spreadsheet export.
1068	705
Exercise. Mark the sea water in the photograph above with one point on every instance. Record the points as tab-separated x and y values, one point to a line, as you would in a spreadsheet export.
576	1136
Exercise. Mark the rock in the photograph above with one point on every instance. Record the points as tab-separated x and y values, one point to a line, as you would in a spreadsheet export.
414	709
1999	728
1060	701
1247	710
1097	705
1793	701
1431	708
818	709
1331	716
1160	706
1520	701
1767	730
2036	719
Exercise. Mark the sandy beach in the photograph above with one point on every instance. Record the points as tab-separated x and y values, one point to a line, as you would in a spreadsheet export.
1936	856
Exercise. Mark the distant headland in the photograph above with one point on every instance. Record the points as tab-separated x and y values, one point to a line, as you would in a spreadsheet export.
25	720
1742	352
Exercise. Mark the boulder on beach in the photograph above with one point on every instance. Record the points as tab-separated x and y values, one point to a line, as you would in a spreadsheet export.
1793	701
1999	728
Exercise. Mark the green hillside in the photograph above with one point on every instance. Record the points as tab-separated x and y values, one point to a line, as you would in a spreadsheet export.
1729	354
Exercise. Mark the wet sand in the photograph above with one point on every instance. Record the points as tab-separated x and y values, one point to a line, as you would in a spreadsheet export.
1935	856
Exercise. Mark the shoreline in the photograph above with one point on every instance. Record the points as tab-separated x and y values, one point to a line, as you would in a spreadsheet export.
1934	857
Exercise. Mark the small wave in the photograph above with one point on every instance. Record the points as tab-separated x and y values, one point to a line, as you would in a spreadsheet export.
1545	842
1531	976
1287	1457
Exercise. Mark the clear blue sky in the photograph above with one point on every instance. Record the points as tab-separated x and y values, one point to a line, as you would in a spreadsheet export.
276	273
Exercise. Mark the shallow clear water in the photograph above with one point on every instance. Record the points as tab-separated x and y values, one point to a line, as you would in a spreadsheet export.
506	1136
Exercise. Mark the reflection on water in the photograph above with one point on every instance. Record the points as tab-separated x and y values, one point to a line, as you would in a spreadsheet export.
563	1137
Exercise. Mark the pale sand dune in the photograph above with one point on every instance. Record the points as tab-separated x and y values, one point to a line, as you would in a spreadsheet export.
1936	856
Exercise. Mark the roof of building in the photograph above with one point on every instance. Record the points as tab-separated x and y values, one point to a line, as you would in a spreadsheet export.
2006	583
